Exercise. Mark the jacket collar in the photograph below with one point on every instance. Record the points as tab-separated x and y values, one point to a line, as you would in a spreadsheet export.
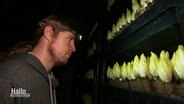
33	61
36	64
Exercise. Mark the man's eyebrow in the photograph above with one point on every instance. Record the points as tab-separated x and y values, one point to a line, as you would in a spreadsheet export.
72	35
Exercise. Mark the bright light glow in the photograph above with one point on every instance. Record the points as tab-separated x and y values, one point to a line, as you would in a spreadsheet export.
80	37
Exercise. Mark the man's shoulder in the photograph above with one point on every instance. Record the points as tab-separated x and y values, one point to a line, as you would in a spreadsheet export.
13	60
11	65
22	68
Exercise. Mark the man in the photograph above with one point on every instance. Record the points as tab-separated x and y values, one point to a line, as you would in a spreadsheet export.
27	78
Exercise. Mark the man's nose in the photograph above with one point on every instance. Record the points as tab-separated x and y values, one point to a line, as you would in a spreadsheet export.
72	47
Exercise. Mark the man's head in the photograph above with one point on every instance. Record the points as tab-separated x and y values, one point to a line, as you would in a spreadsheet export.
60	38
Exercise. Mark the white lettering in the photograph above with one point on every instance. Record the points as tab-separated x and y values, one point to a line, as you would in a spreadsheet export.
13	90
20	92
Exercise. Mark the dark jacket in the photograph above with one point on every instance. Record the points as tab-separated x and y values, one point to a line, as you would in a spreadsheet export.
23	72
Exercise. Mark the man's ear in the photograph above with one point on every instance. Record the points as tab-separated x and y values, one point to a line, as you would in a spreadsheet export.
48	32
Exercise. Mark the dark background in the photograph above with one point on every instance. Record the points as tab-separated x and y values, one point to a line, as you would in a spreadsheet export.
20	17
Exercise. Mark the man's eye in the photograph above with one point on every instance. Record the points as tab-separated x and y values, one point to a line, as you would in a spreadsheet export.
70	38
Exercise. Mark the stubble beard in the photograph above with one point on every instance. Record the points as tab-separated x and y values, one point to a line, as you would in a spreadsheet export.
57	61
